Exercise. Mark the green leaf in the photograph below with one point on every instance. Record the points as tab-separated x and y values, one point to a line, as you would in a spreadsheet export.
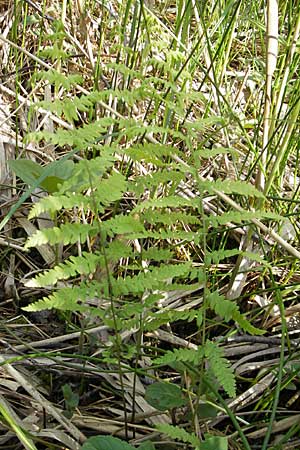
71	398
29	172
164	396
214	443
206	410
106	443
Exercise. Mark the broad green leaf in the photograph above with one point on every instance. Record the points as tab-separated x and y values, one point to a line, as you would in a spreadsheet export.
164	396
29	171
214	443
106	443
205	410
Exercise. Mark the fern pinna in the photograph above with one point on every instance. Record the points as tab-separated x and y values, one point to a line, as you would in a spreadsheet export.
132	216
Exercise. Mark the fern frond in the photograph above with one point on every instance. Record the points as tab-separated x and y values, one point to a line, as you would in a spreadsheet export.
230	187
246	325
106	191
188	355
212	152
240	217
228	310
179	433
220	367
216	256
131	129
157	254
72	299
67	107
87	172
122	225
56	202
57	78
68	233
63	299
158	318
76	265
157	178
202	124
124	69
169	218
78	138
222	307
153	279
172	201
173	236
147	152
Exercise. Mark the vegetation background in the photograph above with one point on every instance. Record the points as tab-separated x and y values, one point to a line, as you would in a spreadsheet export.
149	170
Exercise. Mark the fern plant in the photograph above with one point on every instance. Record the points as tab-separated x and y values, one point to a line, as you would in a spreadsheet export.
131	217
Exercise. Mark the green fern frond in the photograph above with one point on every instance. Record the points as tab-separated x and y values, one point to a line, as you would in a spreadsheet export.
222	307
68	233
73	299
240	217
172	201
88	262
122	225
158	318
67	107
63	299
179	433
130	97
131	128
187	355
216	256
157	254
124	69
199	125
147	150
58	79
167	84
228	310
220	367
173	236
90	172
230	187
169	218
212	152
246	325
57	202
157	178
76	265
78	138
154	278
106	191
255	257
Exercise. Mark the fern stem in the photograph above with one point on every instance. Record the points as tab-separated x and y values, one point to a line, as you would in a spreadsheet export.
112	306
